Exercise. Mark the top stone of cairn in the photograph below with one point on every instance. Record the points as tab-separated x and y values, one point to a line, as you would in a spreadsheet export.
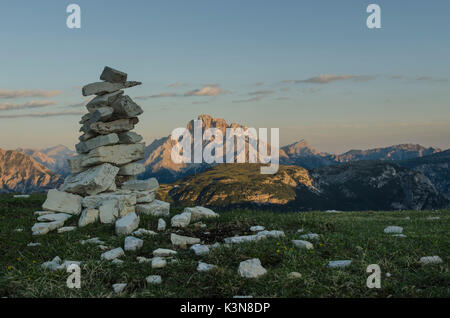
113	76
113	81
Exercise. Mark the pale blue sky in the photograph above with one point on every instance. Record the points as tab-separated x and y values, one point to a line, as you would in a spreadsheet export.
387	86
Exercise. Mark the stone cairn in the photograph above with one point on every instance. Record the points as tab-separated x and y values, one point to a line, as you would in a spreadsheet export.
103	186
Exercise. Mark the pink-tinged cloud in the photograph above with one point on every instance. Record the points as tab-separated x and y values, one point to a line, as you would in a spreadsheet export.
32	104
207	90
8	93
328	78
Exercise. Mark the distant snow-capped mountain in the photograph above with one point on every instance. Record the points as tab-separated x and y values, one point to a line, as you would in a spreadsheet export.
54	158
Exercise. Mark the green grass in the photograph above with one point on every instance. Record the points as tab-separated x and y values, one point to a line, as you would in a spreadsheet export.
351	235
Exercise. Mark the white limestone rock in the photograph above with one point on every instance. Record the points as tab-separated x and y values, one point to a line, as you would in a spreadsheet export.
339	263
142	259
154	279
113	254
272	234
131	169
148	185
146	197
117	261
109	211
117	155
181	220
257	228
64	202
126	202
119	288
66	229
91	181
52	265
199	212
142	232
163	252
133	243
430	260
204	267
102	88
40	213
94	240
158	262
161	225
393	230
88	216
99	141
310	236
242	239
294	275
127	224
42	228
200	249
32	244
251	268
303	244
75	164
54	217
155	208
183	241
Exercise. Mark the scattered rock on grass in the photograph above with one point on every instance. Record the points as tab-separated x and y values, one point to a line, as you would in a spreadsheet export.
127	224
429	260
183	241
393	229
66	229
294	275
132	243
163	252
154	279
200	249
142	232
158	262
113	254
204	267
339	264
251	268
257	228
181	220
118	288
199	212
303	244
310	236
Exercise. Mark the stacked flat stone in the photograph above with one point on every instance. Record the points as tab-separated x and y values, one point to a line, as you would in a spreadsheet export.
103	185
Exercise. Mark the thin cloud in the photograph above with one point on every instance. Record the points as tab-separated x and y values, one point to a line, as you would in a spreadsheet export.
32	104
7	93
177	85
329	78
41	115
253	99
259	93
207	90
164	94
